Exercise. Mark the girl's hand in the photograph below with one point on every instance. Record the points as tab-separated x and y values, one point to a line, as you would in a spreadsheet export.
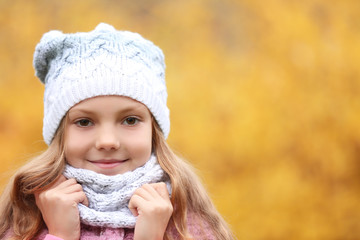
58	206
151	204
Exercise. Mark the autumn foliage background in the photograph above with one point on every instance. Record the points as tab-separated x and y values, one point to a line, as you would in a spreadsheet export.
264	99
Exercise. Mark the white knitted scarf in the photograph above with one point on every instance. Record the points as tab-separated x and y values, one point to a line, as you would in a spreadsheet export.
109	195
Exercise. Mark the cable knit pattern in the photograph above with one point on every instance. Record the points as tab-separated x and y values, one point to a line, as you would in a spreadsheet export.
78	66
109	196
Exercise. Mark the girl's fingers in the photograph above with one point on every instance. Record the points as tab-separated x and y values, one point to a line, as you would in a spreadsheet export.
153	213
135	202
79	197
73	191
58	184
146	192
63	189
68	187
64	184
72	188
161	189
153	191
60	181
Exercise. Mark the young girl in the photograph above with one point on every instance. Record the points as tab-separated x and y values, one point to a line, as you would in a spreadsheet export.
108	172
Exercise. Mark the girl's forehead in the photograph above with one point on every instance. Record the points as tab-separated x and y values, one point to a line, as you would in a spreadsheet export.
108	99
109	102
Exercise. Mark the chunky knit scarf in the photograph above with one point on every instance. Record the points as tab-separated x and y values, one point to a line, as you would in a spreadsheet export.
109	195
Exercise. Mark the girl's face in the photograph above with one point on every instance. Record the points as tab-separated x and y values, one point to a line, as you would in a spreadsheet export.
108	134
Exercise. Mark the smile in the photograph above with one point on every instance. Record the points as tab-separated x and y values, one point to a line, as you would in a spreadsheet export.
107	164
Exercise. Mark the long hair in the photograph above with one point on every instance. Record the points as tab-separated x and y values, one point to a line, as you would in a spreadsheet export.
188	194
18	210
19	213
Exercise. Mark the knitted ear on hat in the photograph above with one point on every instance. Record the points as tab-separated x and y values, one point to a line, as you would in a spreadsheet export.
78	66
51	42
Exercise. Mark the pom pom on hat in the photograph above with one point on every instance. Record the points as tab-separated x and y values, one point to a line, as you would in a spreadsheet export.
78	66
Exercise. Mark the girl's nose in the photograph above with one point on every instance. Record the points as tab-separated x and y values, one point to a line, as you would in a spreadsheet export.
107	139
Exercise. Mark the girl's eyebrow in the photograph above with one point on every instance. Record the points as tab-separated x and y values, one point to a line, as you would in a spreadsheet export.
80	110
77	111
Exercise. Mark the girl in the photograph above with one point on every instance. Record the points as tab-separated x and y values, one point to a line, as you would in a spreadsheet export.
108	172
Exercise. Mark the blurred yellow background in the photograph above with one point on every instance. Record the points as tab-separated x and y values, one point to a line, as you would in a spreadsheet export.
264	99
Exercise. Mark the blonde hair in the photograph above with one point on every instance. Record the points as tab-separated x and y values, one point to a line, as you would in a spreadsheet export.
18	210
188	194
20	215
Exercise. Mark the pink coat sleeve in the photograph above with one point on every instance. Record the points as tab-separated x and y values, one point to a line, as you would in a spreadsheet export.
47	236
198	228
51	237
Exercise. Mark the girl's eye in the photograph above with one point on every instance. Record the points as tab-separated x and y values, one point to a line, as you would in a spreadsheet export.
131	121
84	123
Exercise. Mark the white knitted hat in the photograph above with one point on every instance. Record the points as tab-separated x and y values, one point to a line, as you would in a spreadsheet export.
78	66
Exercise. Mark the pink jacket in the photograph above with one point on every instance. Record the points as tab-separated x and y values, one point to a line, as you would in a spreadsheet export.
198	231
90	233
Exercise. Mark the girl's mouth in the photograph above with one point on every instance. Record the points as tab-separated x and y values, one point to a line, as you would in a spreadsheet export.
107	164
